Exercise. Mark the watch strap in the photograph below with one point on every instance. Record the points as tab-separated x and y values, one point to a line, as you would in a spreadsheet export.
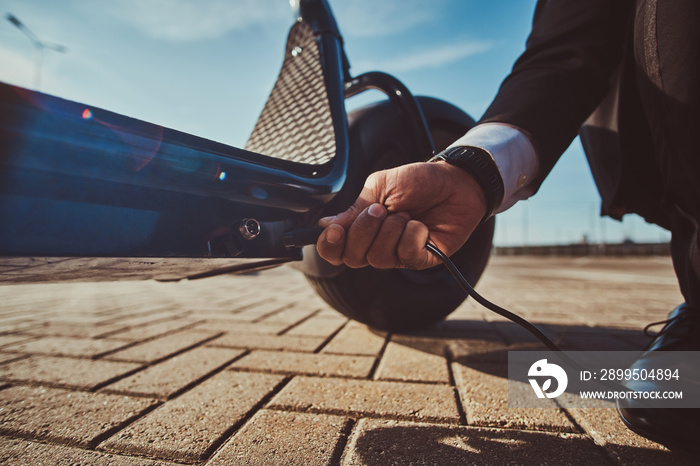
479	163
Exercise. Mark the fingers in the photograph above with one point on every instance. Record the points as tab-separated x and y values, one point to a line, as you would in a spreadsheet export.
382	254
366	198
361	235
377	239
341	244
411	249
331	243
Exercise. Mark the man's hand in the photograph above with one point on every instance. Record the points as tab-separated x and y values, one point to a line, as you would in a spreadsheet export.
397	212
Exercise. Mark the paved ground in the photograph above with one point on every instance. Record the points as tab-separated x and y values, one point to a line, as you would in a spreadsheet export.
257	370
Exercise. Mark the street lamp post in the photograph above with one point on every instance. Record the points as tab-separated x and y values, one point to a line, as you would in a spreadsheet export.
39	47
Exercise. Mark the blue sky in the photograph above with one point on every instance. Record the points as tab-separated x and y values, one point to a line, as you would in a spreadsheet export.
207	66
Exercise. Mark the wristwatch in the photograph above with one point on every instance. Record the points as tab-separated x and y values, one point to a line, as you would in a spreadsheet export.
478	163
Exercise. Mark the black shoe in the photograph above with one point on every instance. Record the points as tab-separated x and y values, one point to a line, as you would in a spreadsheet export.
675	428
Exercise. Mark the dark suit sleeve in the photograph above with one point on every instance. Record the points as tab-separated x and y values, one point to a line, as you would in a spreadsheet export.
573	49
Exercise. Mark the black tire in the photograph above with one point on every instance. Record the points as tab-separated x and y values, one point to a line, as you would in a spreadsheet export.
398	300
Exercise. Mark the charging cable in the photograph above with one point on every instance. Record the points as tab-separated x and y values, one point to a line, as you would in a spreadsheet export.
304	236
464	284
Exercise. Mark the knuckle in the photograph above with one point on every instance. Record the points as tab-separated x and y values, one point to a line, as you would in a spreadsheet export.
354	257
396	221
354	263
330	252
411	256
373	179
408	254
414	262
329	255
379	260
363	227
366	225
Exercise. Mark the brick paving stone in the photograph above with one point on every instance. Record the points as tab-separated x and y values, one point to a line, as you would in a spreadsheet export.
188	427
413	401
261	310
264	327
63	346
356	338
21	326
58	415
148	318
606	428
209	315
483	389
291	315
11	339
440	346
582	338
307	439
154	350
318	326
13	315
18	451
375	441
615	321
325	310
73	317
71	329
168	377
243	301
401	362
596	342
306	363
84	374
454	327
513	333
18	307
153	330
557	331
121	311
272	342
7	357
483	350
581	307
469	309
638	322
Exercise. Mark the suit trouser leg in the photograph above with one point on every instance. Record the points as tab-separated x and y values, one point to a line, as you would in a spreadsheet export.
686	255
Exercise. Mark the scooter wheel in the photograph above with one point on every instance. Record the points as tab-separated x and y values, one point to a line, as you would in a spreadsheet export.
396	300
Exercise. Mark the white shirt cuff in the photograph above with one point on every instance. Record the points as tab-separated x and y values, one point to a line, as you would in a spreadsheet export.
514	155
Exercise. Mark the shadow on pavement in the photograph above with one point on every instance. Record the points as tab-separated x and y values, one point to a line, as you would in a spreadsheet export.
493	340
380	441
484	346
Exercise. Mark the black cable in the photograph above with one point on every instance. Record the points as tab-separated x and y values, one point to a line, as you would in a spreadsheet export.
513	317
464	284
304	236
488	304
301	237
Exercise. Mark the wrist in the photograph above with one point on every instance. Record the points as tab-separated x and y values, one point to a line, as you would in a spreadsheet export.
462	185
480	166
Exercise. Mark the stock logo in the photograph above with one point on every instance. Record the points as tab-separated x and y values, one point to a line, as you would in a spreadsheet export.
541	369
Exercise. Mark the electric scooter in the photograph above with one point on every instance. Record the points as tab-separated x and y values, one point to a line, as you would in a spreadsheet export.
87	194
